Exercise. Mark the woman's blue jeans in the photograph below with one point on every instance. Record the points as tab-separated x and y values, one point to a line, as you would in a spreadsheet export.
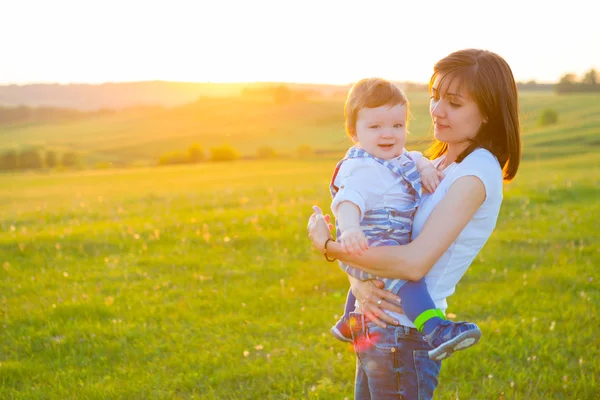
392	363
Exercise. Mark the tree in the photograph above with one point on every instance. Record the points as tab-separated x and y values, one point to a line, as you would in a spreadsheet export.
568	83
195	153
568	79
29	159
175	157
224	153
51	159
304	151
69	159
8	160
266	152
590	77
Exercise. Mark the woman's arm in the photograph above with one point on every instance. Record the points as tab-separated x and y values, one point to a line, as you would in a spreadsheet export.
414	260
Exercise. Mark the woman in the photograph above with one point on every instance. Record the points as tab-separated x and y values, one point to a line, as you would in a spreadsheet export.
474	109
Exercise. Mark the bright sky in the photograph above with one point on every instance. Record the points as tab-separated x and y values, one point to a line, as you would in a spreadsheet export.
323	41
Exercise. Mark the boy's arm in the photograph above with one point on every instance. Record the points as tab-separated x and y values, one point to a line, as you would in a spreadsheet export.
430	176
348	215
350	203
353	239
423	163
353	181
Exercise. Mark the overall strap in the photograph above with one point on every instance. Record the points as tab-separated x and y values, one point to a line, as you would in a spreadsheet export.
403	166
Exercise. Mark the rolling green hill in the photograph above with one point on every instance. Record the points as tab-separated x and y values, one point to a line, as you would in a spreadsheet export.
142	135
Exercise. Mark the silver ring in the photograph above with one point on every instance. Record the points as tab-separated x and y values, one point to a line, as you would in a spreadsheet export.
379	303
319	216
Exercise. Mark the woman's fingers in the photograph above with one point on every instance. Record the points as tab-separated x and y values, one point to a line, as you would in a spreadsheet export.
380	293
378	283
378	316
389	300
319	228
373	318
386	304
391	297
382	315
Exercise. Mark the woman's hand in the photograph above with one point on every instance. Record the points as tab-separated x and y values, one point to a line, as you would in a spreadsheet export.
373	299
319	229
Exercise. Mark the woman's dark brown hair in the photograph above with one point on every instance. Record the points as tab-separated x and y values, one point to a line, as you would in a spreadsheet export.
489	80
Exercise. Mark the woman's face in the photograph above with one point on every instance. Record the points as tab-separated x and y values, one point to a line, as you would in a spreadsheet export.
456	116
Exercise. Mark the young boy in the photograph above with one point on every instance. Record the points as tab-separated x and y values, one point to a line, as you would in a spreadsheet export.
376	190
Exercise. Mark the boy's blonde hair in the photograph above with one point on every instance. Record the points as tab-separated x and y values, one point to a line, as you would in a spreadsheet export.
370	93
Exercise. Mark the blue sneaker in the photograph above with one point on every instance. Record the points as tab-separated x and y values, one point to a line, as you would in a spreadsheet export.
449	337
342	330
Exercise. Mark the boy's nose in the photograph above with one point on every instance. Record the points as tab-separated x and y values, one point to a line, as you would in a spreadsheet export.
387	132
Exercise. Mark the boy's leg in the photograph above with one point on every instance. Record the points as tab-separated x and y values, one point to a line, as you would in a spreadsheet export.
350	304
419	307
444	336
342	330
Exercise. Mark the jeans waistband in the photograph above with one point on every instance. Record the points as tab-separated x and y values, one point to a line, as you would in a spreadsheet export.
358	322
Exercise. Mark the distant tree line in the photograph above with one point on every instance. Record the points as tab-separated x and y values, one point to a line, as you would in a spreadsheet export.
196	154
24	114
569	83
32	159
535	86
280	94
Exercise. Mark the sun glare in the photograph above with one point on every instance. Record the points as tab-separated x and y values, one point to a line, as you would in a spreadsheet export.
321	42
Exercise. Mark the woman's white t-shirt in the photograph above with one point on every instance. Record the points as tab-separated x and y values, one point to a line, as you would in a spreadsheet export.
452	265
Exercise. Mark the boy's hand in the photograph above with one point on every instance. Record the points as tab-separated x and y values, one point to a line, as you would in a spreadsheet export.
430	178
353	241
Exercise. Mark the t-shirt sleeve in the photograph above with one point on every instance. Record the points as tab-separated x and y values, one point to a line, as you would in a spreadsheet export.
483	165
353	183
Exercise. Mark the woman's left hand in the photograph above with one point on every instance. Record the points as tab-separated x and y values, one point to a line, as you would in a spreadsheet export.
373	299
319	228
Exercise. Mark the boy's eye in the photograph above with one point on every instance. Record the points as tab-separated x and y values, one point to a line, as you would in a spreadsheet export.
398	125
374	126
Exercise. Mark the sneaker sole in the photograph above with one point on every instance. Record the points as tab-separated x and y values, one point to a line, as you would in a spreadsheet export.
339	336
461	342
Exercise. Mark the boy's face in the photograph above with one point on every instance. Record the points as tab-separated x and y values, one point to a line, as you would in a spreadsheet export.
381	131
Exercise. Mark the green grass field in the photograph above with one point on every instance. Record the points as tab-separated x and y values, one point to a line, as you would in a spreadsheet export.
199	281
